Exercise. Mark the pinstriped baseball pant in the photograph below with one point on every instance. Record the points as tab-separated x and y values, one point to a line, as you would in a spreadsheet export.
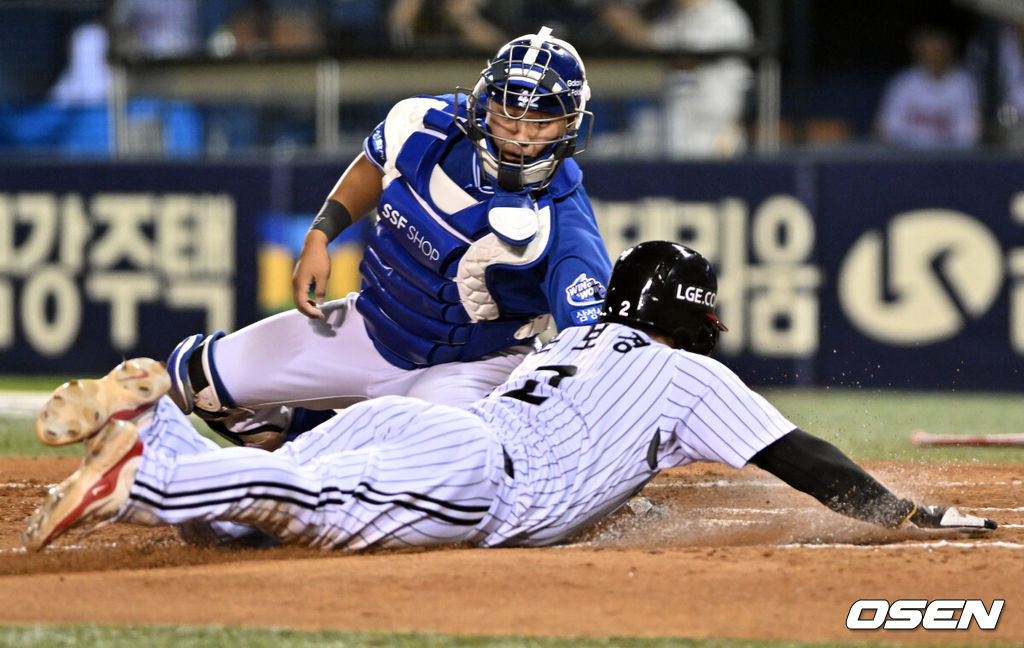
392	472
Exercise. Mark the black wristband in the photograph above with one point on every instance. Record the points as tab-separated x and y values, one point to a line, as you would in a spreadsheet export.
332	219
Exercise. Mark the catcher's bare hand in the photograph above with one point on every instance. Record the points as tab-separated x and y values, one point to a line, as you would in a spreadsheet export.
311	274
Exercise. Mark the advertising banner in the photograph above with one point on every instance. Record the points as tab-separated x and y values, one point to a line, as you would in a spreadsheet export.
883	273
891	273
924	268
100	262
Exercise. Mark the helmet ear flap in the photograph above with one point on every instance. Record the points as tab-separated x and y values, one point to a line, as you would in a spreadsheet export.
706	338
699	336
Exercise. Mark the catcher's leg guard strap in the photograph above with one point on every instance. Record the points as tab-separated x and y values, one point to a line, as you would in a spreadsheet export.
252	434
195	384
304	420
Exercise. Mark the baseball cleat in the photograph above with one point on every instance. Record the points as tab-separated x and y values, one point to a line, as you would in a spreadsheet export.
95	492
80	408
941	518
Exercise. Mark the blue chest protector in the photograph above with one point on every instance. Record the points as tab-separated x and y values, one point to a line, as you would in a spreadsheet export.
430	213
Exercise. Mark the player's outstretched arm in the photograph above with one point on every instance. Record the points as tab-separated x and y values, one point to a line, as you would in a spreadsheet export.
821	470
355	193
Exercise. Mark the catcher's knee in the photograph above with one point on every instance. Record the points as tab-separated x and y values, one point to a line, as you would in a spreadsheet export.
196	386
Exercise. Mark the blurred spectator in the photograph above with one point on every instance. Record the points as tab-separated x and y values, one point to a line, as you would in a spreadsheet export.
483	26
934	103
271	26
402	22
156	28
34	48
70	117
296	25
412	22
704	100
357	25
86	78
1010	69
74	119
475	29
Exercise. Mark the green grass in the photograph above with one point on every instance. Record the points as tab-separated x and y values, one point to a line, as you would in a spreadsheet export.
16	435
876	425
17	439
38	383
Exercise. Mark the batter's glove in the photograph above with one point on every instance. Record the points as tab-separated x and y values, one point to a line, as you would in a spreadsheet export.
942	517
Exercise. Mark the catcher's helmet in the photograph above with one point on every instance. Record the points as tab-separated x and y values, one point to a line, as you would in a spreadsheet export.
544	75
668	288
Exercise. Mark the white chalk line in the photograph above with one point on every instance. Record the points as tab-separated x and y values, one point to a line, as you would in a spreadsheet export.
728	483
71	547
916	544
24	404
741	522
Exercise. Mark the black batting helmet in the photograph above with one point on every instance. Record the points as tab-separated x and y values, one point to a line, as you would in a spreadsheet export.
668	288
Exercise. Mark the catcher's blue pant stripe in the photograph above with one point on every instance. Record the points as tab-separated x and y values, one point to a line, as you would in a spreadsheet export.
177	369
322	498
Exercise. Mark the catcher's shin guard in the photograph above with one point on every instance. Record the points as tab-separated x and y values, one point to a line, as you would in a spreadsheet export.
195	384
196	388
267	427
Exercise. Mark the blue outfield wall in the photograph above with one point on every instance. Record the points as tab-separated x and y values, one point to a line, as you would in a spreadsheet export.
902	273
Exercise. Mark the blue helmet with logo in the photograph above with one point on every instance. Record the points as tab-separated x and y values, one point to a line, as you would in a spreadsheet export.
534	78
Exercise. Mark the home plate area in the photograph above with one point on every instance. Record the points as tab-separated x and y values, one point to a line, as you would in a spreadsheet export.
718	553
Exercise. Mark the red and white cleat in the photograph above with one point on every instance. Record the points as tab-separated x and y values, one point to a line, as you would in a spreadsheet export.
80	408
95	492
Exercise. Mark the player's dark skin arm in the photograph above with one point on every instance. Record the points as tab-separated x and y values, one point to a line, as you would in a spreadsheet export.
358	191
818	468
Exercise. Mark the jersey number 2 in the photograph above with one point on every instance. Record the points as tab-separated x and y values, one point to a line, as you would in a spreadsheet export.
525	393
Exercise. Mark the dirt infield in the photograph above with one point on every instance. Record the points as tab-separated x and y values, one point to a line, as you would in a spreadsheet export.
723	554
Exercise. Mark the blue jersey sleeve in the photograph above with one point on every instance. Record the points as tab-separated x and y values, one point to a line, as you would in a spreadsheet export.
578	267
405	117
375	146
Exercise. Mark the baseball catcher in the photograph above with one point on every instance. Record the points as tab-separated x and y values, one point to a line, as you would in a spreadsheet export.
483	236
